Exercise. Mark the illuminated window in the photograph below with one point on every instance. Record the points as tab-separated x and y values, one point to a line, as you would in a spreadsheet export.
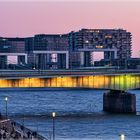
86	41
54	57
108	36
99	47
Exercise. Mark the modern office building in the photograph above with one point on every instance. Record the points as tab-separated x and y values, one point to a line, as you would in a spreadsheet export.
12	51
64	51
48	51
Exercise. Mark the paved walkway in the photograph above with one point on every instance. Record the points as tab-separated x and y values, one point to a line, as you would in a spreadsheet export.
11	130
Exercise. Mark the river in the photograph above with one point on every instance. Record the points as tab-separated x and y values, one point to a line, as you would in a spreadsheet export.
79	114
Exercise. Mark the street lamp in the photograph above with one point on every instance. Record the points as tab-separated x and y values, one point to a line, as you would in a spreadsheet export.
53	116
122	137
34	64
6	100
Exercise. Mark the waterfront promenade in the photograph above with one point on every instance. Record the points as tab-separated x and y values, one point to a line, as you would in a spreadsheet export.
12	130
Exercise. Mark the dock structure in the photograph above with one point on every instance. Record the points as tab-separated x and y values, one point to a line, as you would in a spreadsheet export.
11	130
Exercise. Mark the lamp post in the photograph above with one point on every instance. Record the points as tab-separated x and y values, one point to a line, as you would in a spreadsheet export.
53	116
6	100
122	136
34	61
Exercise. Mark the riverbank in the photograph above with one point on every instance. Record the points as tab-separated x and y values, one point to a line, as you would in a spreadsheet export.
11	130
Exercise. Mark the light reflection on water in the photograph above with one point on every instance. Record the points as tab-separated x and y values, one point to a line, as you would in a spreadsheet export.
79	114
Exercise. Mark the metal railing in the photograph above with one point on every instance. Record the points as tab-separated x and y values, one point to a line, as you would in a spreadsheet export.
10	125
41	73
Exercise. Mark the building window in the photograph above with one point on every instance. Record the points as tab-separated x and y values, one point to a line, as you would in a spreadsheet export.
54	57
99	47
108	36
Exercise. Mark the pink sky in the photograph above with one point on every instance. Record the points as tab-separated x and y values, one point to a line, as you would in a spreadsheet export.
24	18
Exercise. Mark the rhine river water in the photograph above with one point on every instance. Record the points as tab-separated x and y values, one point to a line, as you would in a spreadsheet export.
79	114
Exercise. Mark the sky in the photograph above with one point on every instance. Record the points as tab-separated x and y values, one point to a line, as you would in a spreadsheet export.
24	18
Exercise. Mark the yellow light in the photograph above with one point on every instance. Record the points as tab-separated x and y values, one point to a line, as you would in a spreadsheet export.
122	137
120	82
85	81
59	81
53	114
54	82
99	47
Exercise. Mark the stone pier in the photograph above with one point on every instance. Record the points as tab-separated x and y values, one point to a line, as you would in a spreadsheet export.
116	101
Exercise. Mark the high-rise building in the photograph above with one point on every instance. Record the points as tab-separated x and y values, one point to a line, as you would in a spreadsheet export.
115	43
64	51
